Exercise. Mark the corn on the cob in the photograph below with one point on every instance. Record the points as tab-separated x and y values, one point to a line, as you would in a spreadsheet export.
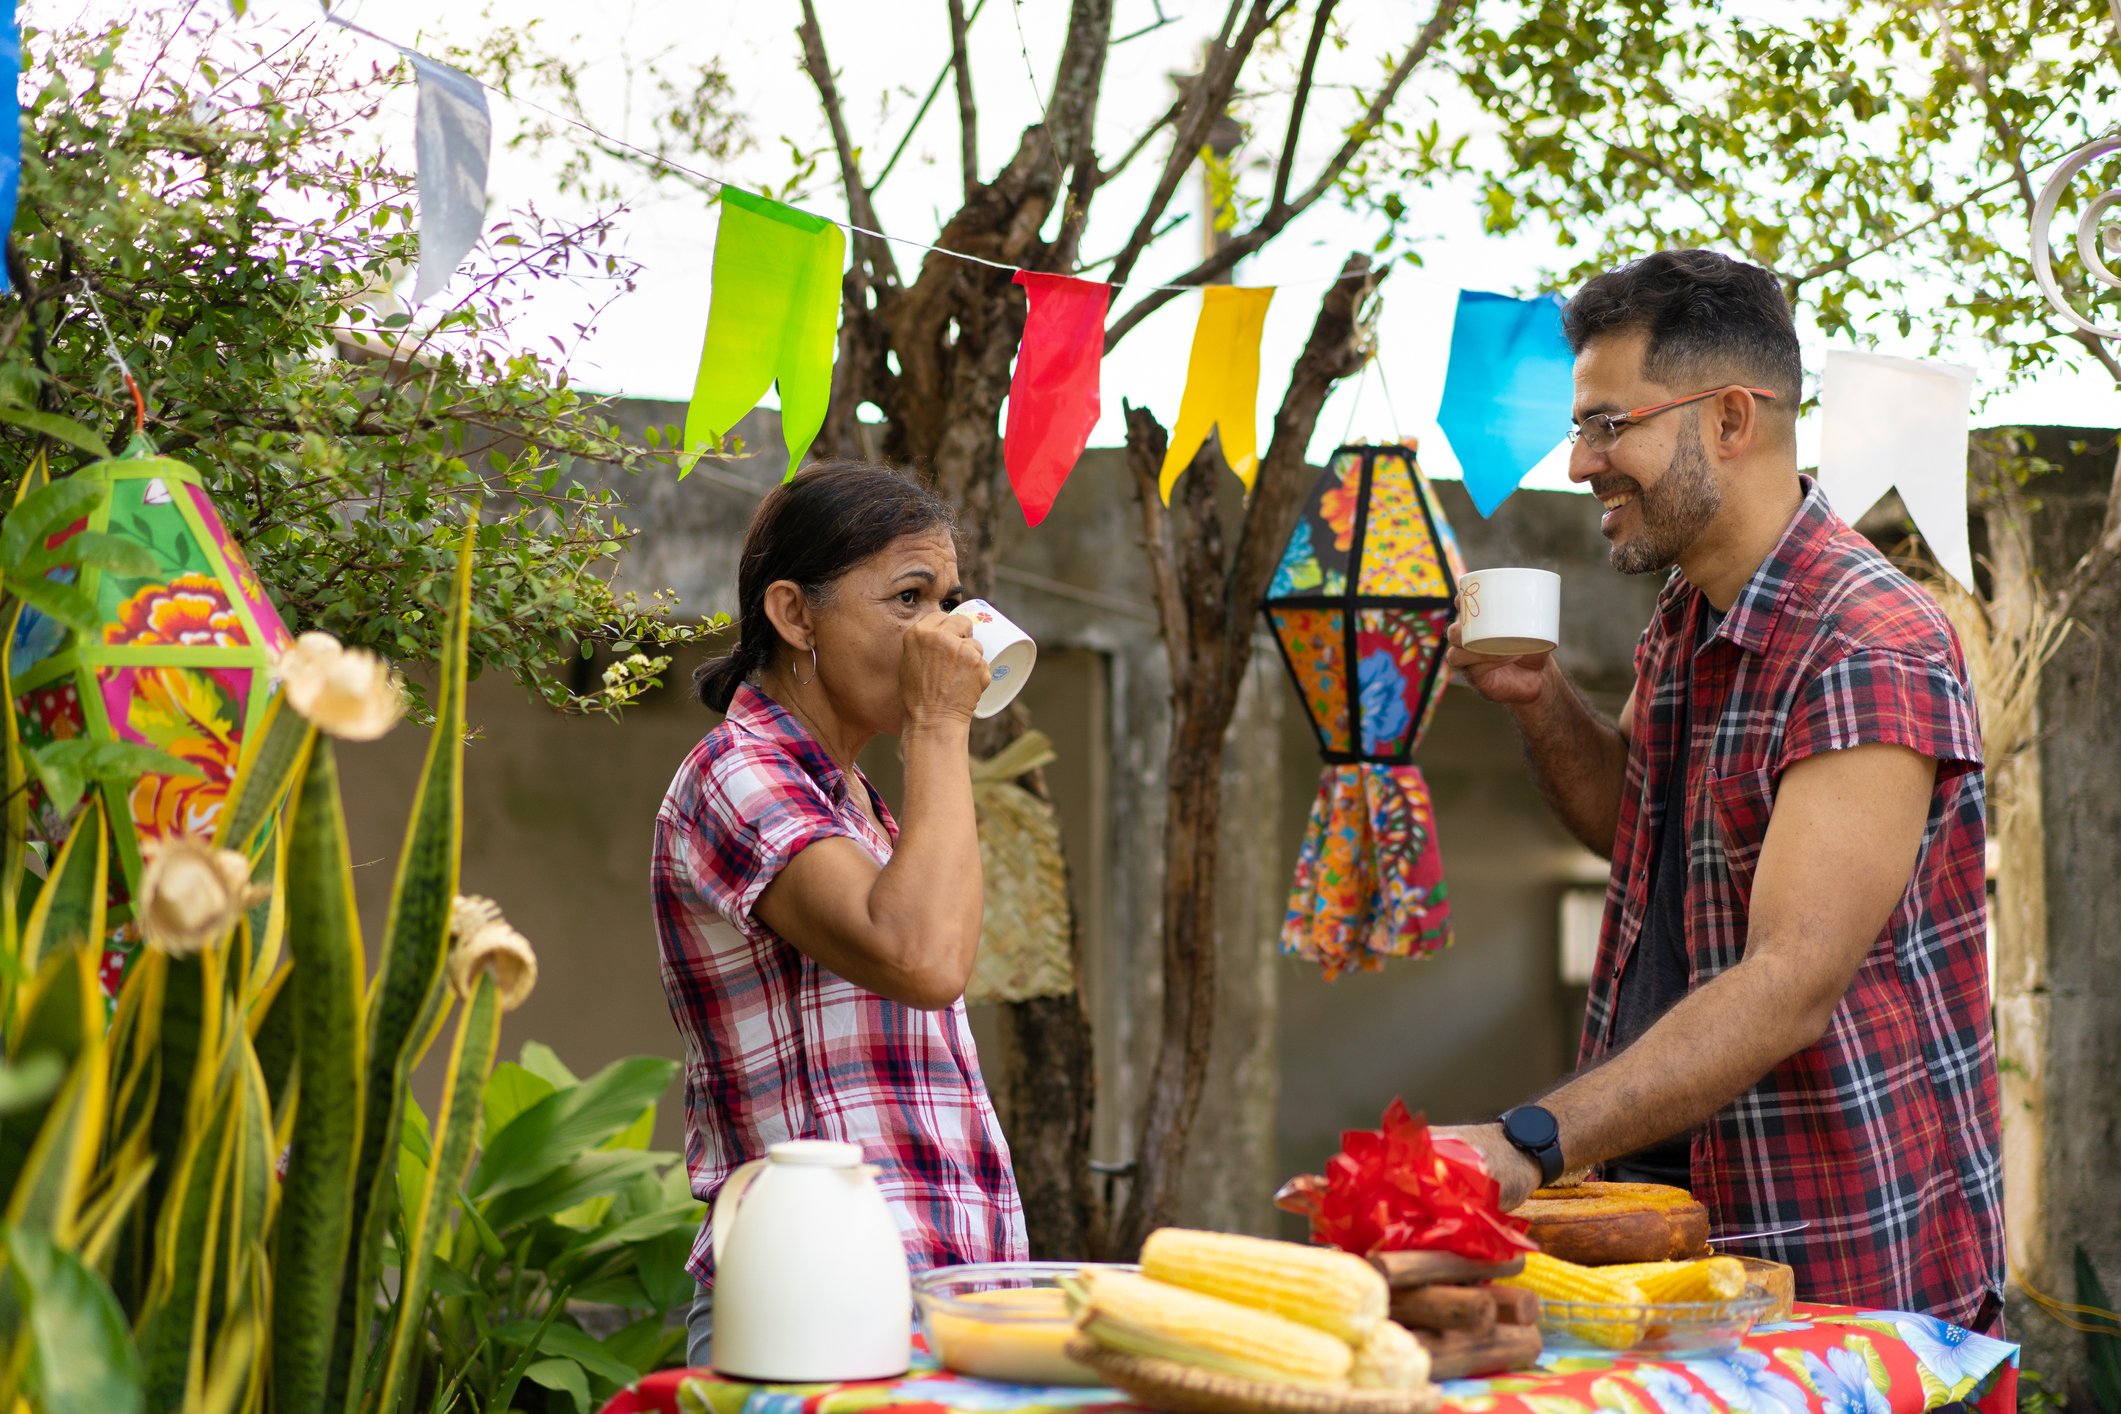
1704	1279
1130	1313
1556	1280
1337	1292
1390	1359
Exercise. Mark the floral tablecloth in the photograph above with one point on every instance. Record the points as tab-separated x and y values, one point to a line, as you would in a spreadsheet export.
1826	1360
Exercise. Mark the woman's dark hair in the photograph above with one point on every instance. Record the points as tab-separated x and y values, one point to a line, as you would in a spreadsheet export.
1707	317
812	530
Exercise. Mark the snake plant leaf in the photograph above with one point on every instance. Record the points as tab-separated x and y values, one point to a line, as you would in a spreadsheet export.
80	1353
409	981
65	1023
271	756
48	1190
69	910
266	921
314	1230
557	1129
456	1130
13	847
173	1325
272	1037
30	1082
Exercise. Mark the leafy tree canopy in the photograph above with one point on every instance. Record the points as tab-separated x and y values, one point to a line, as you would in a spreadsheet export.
218	196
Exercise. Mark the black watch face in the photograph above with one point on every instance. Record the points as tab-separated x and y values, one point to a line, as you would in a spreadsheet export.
1530	1127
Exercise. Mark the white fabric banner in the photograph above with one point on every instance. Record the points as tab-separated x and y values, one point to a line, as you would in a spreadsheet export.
1900	424
453	135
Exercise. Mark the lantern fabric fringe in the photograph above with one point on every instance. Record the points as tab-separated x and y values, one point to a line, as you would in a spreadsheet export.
1053	397
774	319
1403	1189
1222	384
1369	880
452	137
10	126
1023	946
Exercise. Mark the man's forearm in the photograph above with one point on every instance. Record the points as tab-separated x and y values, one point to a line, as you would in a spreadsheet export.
1578	759
1703	1054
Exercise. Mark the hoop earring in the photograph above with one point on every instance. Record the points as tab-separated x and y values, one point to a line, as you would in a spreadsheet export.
813	670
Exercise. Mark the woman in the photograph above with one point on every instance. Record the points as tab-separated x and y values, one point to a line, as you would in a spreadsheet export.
814	951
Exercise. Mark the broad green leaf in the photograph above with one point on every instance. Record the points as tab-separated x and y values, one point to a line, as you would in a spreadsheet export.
46	511
81	1352
574	1343
570	1120
591	1175
562	1376
31	1080
544	1062
96	550
62	602
59	429
511	1090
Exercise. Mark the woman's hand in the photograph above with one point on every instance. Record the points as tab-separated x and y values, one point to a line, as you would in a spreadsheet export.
1512	681
941	671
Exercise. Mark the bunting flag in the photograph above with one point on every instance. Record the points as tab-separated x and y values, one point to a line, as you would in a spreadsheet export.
10	128
1222	384
773	319
452	135
1053	398
1899	424
1507	390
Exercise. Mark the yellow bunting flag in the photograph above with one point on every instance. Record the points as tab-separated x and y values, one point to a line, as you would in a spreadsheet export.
1222	384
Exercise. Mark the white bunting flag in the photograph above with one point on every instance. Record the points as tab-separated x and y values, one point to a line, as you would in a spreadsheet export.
453	134
1900	424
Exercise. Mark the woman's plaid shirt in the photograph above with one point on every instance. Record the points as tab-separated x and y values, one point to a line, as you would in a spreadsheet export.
1884	1135
777	1047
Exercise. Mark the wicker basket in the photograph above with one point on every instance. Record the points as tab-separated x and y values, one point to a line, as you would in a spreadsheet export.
1184	1389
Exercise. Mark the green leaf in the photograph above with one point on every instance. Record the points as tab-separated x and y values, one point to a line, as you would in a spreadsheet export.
81	1352
591	1175
2102	1349
46	511
29	1081
63	602
573	1343
97	550
562	1376
59	429
561	1126
545	1063
510	1091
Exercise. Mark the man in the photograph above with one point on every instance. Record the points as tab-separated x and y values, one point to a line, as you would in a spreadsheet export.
1789	1012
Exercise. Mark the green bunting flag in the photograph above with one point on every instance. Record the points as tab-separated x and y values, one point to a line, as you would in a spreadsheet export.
774	319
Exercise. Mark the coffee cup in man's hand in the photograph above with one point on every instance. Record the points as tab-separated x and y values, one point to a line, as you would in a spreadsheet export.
1509	613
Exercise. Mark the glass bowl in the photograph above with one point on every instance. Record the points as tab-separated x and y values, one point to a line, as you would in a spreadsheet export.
1002	1321
1677	1328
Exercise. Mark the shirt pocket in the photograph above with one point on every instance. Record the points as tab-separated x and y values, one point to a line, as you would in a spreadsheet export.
1743	797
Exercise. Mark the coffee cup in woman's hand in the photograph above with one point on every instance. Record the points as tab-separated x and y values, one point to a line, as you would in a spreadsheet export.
1009	652
941	669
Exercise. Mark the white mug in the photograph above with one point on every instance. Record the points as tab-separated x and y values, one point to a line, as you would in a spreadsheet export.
1009	652
1510	612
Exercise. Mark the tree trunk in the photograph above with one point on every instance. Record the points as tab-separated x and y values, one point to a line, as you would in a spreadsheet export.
1206	598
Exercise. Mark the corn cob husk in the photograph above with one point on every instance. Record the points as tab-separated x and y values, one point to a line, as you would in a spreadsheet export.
1136	1315
1390	1359
1704	1279
1557	1281
1336	1292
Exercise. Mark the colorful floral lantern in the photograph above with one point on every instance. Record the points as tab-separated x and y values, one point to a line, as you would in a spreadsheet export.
1368	579
182	662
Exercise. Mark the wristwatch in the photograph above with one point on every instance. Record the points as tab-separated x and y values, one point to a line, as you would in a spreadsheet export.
1533	1129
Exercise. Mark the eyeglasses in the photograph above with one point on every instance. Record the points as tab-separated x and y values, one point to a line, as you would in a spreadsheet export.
1601	430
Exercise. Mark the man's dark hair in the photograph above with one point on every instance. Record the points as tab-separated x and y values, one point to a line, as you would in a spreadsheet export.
812	530
1708	317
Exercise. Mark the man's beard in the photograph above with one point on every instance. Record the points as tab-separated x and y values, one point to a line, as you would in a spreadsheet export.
1685	501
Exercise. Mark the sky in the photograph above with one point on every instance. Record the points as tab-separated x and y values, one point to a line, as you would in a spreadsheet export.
887	53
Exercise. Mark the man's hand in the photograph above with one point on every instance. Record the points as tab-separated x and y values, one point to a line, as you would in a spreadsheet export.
1515	1171
1513	681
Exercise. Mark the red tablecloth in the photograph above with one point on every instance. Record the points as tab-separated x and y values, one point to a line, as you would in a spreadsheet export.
1827	1360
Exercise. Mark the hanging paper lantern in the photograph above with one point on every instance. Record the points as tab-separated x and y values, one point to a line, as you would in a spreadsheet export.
1360	606
182	661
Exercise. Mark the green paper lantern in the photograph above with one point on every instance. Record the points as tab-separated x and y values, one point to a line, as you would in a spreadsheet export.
182	661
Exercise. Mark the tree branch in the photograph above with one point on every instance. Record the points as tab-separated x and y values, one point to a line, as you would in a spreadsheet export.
1141	141
1281	214
967	112
1071	113
1296	106
1205	100
1146	443
874	249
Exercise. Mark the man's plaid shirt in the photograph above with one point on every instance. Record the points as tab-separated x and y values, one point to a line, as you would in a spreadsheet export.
777	1047
1884	1135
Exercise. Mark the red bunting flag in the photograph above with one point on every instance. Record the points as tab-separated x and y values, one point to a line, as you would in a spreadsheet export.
1053	398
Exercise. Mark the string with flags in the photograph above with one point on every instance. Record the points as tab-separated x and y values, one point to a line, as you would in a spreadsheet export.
772	322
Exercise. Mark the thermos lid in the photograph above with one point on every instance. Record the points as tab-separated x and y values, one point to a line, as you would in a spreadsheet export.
818	1153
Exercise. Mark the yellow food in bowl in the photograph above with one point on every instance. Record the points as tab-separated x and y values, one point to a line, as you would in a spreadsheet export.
1019	1343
